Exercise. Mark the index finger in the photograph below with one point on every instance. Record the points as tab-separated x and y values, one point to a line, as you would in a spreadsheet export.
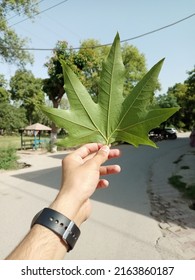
86	150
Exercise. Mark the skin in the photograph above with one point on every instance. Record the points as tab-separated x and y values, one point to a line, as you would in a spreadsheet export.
81	172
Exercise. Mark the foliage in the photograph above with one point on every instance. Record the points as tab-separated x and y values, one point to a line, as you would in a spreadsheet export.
53	86
168	101
178	91
27	90
11	118
135	67
87	65
114	117
10	43
183	95
8	158
189	113
4	95
3	81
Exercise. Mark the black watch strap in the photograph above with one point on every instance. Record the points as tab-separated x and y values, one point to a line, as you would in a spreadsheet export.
58	223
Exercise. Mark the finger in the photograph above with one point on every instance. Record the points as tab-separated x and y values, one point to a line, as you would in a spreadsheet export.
102	184
86	150
110	169
114	153
81	154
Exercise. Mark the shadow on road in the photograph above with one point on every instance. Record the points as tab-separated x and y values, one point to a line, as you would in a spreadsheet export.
129	189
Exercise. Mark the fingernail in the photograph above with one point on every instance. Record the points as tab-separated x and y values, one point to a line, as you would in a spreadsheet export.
105	148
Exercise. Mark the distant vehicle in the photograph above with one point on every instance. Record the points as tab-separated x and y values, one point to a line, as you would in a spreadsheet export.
171	133
158	134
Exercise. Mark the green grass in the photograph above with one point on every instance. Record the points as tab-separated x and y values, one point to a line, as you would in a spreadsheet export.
8	158
7	141
8	151
14	141
188	191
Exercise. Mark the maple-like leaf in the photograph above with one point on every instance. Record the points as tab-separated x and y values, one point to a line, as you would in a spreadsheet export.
114	117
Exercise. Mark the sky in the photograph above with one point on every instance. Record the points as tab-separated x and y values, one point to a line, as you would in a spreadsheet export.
78	20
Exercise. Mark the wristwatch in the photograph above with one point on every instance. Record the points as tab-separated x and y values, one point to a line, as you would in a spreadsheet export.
58	223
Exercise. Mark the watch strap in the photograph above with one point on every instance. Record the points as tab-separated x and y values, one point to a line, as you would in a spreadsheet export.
58	223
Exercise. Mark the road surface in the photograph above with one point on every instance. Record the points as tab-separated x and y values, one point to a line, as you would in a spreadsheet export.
121	225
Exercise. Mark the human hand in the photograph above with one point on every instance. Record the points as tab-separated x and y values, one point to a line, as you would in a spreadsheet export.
81	171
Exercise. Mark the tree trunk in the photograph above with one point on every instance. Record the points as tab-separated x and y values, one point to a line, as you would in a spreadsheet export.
54	130
54	133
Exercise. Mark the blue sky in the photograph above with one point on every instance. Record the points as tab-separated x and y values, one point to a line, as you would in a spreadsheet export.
77	20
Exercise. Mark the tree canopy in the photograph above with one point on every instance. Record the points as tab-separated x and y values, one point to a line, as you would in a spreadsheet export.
87	64
26	90
183	95
4	94
10	43
11	117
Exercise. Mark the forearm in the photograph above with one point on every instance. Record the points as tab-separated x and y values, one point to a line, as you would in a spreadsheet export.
81	171
43	244
39	244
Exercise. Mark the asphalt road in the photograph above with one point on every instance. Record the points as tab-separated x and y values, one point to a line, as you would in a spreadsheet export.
120	227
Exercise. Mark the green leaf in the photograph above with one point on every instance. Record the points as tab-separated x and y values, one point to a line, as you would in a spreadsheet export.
114	117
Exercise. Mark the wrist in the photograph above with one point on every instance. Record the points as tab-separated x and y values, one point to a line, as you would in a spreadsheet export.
69	207
64	207
74	211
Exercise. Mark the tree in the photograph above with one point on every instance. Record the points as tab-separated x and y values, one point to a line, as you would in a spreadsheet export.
183	95
27	90
53	86
88	61
190	100
135	65
3	81
4	94
168	101
87	64
11	118
178	91
10	43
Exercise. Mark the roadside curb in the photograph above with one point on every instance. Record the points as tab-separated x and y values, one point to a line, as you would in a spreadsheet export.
175	219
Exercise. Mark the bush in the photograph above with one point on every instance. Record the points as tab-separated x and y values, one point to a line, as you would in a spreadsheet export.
8	158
